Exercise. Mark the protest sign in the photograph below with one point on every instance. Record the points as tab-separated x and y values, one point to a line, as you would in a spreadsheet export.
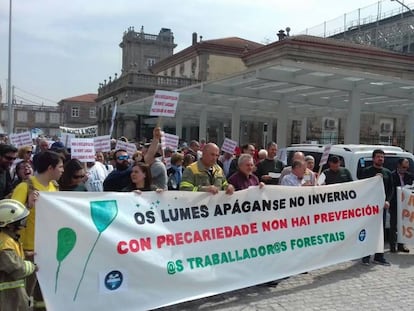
102	143
21	139
229	145
106	250
82	149
164	104
130	148
405	215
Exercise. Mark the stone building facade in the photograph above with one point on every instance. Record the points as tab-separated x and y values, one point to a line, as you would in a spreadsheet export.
78	111
28	117
140	51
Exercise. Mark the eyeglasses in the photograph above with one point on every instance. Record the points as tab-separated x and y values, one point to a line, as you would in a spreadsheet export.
9	158
78	176
29	152
123	157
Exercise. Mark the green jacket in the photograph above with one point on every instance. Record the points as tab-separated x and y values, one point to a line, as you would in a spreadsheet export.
196	175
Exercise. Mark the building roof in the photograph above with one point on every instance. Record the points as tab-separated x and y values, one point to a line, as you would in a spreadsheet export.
327	44
232	46
234	42
85	98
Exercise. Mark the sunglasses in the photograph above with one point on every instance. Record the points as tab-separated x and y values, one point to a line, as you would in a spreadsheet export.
78	176
123	157
29	152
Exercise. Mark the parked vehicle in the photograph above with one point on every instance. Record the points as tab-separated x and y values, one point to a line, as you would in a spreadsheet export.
353	157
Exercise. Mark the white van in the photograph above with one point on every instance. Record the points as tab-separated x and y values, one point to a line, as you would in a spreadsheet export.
353	157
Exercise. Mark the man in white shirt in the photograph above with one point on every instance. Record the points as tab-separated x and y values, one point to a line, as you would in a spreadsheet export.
295	177
96	172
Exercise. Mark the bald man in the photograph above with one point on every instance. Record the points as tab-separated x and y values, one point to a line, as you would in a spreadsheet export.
205	174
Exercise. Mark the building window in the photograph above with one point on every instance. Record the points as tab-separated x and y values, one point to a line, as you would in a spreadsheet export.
150	62
75	112
21	116
173	72
182	69
54	118
193	65
40	117
92	113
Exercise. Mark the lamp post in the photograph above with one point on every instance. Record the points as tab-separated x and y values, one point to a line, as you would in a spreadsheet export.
404	5
9	94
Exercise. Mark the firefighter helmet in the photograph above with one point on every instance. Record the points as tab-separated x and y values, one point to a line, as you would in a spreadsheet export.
11	211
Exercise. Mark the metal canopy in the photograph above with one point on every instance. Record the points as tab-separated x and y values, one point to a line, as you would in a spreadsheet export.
307	90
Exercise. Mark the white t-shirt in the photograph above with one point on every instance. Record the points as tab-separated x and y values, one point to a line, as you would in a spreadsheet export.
96	177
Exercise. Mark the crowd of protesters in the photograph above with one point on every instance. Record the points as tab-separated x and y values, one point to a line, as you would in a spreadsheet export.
196	166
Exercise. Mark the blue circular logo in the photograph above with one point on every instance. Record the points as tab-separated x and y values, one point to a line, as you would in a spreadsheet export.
362	235
113	280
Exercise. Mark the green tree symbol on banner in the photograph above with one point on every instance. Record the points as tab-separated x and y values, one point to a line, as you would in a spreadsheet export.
103	214
66	240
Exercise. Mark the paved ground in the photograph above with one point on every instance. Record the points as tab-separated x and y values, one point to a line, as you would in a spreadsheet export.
346	286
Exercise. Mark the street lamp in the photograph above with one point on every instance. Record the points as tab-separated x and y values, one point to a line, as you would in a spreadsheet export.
404	5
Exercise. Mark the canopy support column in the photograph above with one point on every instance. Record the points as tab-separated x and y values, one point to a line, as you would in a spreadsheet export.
282	123
235	123
353	120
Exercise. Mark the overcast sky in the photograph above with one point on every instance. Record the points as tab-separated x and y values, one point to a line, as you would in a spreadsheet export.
65	48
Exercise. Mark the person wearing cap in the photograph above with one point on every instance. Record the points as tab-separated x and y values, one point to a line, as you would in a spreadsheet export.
310	162
14	269
335	174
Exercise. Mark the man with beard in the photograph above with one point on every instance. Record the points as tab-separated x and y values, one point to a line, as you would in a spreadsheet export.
378	168
8	154
119	177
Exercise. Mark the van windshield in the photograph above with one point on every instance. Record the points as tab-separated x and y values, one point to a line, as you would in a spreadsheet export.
390	162
317	156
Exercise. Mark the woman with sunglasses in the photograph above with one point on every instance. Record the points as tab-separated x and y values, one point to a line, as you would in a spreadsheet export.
25	153
73	177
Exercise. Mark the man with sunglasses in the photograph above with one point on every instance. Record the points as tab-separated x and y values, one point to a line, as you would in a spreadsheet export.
8	154
119	177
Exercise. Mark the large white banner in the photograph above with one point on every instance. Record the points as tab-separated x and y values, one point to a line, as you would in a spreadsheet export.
89	131
112	251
